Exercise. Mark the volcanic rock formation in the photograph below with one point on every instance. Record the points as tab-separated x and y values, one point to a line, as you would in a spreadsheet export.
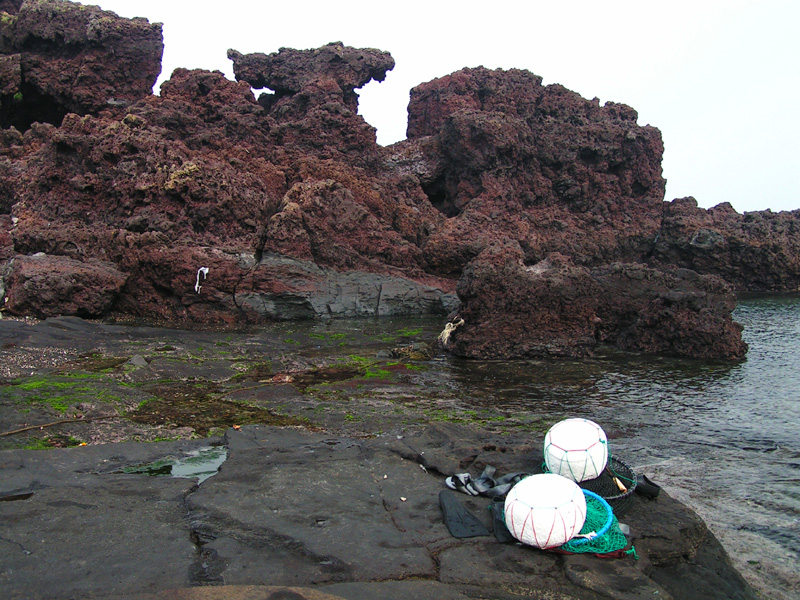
758	251
555	308
60	57
287	208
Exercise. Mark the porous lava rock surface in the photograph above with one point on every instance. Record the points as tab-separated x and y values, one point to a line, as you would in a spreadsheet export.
215	207
668	311
757	251
40	282
334	67
498	291
62	57
537	164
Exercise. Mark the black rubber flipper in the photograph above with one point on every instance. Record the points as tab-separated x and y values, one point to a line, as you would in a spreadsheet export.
485	481
646	488
460	522
504	484
501	532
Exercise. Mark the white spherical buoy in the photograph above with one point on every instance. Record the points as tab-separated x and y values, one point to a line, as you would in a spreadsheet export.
545	510
576	449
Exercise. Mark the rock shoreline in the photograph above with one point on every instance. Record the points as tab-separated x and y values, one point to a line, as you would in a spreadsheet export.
207	207
341	500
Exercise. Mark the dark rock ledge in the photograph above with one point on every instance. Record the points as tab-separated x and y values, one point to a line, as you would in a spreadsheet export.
299	515
316	502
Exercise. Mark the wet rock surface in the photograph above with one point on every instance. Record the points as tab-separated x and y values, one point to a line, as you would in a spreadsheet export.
344	516
333	466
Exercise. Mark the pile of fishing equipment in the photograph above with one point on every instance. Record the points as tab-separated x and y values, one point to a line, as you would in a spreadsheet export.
546	514
572	507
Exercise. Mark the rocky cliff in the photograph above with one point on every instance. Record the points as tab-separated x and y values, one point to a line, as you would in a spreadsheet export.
206	205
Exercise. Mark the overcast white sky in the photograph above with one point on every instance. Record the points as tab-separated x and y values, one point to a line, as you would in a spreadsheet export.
719	78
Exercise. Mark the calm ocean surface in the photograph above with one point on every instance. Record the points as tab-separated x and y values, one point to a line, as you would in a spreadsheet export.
724	439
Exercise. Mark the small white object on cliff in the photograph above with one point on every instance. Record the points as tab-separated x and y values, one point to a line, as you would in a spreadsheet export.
204	271
444	337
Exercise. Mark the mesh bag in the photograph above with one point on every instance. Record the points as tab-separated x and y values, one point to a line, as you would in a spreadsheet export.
615	485
600	533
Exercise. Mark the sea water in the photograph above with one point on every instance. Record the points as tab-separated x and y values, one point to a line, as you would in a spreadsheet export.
723	438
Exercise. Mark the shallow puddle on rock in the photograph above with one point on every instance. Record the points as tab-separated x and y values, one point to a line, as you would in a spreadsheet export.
201	464
202	408
325	376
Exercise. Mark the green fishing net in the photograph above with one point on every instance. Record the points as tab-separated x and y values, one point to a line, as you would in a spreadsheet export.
600	533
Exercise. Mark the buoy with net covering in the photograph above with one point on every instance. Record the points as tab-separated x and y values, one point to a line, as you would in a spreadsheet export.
576	449
545	510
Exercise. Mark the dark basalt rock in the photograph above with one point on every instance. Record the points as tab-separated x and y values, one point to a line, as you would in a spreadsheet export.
297	212
353	517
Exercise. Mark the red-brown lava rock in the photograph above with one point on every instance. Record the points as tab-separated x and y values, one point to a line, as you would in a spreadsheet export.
555	308
61	57
757	251
207	205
